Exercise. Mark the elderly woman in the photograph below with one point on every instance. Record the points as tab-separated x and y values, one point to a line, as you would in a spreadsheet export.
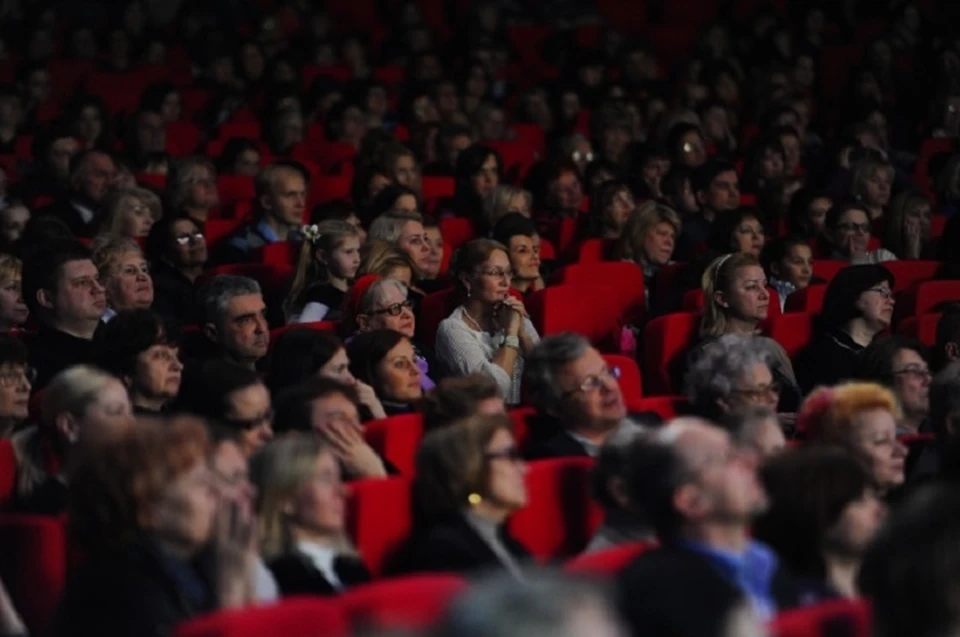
504	200
490	331
469	479
848	227
192	189
387	361
140	348
130	212
301	500
857	306
861	418
144	507
823	513
756	427
13	309
124	274
81	403
15	385
648	239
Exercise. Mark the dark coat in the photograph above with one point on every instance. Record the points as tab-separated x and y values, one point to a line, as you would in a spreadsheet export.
297	575
454	546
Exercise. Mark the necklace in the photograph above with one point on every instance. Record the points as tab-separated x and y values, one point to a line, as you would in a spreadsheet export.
475	322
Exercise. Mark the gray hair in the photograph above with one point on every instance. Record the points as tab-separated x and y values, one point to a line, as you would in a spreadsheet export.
542	364
179	183
377	292
542	606
72	391
117	201
497	202
389	225
219	291
721	363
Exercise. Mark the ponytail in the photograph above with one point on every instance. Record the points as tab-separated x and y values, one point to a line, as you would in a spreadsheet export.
326	236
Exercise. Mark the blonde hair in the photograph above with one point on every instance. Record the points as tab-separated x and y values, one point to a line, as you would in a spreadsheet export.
718	277
497	202
640	223
116	202
379	257
828	412
107	249
278	471
326	236
10	267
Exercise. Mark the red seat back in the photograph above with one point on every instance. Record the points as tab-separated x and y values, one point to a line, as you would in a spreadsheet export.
292	617
793	331
923	327
930	294
34	565
623	277
437	187
320	326
588	310
631	383
609	561
8	474
808	299
456	231
434	308
521	430
396	438
592	251
909	273
664	338
282	253
412	603
851	618
826	269
329	188
379	518
234	188
560	517
667	407
215	230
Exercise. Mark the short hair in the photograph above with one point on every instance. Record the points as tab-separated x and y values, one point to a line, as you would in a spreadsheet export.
379	257
704	174
827	413
368	302
723	227
129	334
181	176
843	291
107	249
72	391
839	208
471	256
777	249
864	170
542	366
389	225
639	224
215	294
157	244
875	363
809	488
718	277
451	464
115	203
43	268
713	374
457	397
10	267
388	154
206	388
293	411
267	178
366	350
300	353
512	225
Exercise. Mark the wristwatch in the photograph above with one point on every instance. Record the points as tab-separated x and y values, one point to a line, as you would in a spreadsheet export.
511	341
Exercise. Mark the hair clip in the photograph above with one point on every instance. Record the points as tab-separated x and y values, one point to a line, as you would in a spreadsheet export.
311	233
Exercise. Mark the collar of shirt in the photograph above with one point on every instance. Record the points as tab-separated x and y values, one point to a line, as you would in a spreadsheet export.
264	230
85	213
752	571
322	557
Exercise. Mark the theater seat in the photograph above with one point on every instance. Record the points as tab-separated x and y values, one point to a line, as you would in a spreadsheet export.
664	338
456	231
320	326
234	188
667	407
923	327
291	617
792	330
826	269
592	251
282	253
379	519
415	602
808	300
631	383
8	474
521	429
588	310
327	188
396	438
927	296
609	561
850	618
437	187
623	277
434	308
909	273
215	230
34	565
274	280
560	518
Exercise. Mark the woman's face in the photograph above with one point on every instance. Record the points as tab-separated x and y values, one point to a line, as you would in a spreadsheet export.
203	189
659	243
852	235
566	193
393	312
525	257
338	368
110	410
491	281
136	218
157	374
506	471
247	163
186	509
487	178
14	392
876	305
876	188
170	108
917	217
747	298
188	244
796	267
90	124
434	240
13	310
858	523
771	165
716	124
875	440
619	209
319	504
130	285
399	374
756	387
344	261
748	236
692	153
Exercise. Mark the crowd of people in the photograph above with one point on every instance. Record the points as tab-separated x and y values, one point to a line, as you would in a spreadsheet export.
195	412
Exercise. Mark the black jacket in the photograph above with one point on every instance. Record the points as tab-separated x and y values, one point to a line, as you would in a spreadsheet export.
174	296
52	351
454	546
67	212
828	360
297	575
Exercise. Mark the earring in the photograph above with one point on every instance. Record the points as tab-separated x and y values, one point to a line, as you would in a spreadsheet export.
474	499
469	293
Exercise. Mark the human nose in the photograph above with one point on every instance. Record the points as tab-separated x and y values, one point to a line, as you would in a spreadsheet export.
764	295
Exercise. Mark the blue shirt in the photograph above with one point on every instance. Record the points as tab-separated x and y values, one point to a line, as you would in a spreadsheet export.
751	571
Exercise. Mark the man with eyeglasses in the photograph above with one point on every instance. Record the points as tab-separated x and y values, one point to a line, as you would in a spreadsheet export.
92	174
577	396
900	363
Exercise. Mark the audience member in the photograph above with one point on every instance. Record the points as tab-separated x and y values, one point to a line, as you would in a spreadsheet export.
177	251
234	319
192	189
92	173
129	212
788	262
13	309
900	363
15	383
328	263
460	397
519	235
387	361
124	274
404	231
756	427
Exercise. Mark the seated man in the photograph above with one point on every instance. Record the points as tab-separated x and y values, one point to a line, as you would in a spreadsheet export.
577	397
92	173
234	319
459	397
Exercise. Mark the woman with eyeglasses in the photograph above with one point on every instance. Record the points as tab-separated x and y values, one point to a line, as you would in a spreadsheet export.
470	478
857	306
387	361
848	227
490	332
15	383
177	251
902	365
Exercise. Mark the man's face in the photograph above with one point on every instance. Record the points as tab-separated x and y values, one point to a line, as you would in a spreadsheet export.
592	397
244	332
61	151
96	177
78	295
723	194
288	198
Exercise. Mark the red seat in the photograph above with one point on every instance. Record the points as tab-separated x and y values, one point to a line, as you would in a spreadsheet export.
929	149
216	230
592	251
274	280
292	617
808	299
412	603
589	310
521	429
8	474
664	338
826	269
623	277
437	187
456	230
434	308
329	188
923	327
234	188
631	383
793	331
689	12
280	253
547	251
665	281
518	156
396	438
907	274
667	407
379	519
34	565
243	129
183	138
927	296
151	180
851	618
560	518
609	561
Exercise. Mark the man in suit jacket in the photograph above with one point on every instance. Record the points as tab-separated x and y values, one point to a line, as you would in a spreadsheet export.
577	396
92	173
701	494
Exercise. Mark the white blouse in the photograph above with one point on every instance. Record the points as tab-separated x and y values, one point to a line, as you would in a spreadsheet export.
467	351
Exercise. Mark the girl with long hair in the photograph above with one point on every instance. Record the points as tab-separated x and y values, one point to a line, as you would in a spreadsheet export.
329	260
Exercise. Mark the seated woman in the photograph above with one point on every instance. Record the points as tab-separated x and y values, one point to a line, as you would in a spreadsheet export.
177	250
130	213
301	500
329	260
857	306
807	216
124	274
387	361
788	262
611	206
901	364
870	183
739	230
519	235
490	331
479	171
504	200
469	479
823	513
160	546
861	418
13	309
431	279
141	349
736	301
81	403
15	385
301	354
908	226
848	229
648	239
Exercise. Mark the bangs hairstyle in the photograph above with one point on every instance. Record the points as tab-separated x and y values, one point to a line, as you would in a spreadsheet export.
451	464
108	249
640	223
718	277
129	334
828	413
311	270
10	268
